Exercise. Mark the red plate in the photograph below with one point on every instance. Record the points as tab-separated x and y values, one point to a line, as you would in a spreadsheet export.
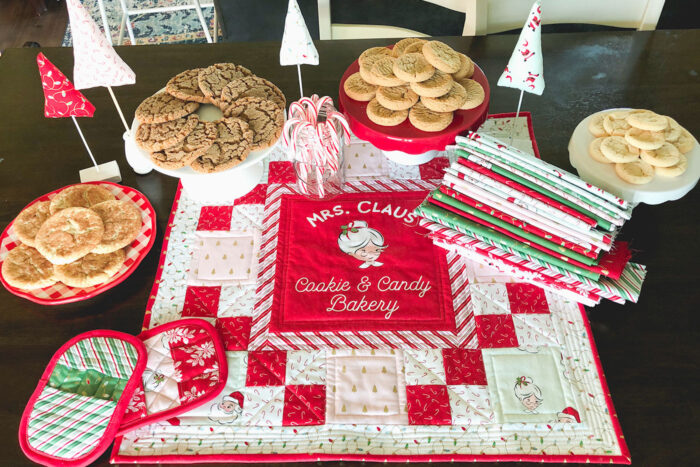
405	137
59	293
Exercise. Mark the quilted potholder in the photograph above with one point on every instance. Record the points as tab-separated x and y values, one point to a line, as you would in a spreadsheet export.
77	407
186	368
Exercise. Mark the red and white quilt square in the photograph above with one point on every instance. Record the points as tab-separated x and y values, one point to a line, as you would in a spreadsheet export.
424	366
215	218
470	405
428	405
266	368
496	331
464	366
434	169
306	367
489	299
263	406
527	298
281	172
479	273
304	405
534	330
225	258
235	332
236	300
366	387
255	196
201	301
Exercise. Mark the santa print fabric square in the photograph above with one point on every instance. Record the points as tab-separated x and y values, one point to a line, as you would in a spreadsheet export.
304	405
215	218
496	331
428	405
526	298
266	368
358	263
464	366
201	302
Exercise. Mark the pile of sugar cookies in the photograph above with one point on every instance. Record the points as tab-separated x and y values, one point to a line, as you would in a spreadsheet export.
172	133
78	238
424	81
640	143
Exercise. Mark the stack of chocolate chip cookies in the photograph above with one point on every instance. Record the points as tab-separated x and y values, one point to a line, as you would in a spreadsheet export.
78	238
640	143
424	81
175	137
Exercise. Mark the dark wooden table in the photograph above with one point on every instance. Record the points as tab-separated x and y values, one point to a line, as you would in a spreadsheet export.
649	350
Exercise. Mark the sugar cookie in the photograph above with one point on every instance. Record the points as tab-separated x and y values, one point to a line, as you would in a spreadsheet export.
28	222
672	131
383	116
674	170
666	156
382	72
647	120
358	89
595	125
453	100
400	46
84	195
466	68
375	51
644	139
91	269
437	85
397	97
475	93
69	234
685	141
615	148
425	119
413	68
416	47
25	268
615	126
122	222
595	152
442	56
366	68
637	172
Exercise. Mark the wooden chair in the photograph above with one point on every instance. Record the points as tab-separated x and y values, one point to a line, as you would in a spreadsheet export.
387	18
128	11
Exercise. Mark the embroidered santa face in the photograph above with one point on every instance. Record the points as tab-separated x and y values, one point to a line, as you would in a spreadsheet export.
361	242
568	415
228	410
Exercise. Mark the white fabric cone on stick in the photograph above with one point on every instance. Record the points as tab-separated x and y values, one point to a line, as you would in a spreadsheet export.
524	70
297	46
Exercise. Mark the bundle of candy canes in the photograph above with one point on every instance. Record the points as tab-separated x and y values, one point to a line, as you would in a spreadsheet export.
312	134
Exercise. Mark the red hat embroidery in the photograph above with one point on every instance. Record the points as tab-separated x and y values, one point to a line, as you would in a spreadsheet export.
61	99
571	413
235	396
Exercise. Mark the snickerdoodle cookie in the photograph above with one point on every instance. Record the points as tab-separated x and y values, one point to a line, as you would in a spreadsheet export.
69	234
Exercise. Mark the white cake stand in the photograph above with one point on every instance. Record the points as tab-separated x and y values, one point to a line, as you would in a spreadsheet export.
215	187
659	190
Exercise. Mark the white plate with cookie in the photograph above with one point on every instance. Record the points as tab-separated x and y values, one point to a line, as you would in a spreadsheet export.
651	165
127	233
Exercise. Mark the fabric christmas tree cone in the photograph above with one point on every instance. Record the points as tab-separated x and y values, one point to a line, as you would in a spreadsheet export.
297	46
524	70
96	63
62	99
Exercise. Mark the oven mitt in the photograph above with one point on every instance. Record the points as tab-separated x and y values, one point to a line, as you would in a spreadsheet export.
77	407
186	368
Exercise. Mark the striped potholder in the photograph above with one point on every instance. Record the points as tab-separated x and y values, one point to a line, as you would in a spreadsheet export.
75	411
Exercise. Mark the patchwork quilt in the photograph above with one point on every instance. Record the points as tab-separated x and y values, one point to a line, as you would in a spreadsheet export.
350	335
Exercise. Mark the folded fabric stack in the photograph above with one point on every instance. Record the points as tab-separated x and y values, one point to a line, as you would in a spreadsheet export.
503	207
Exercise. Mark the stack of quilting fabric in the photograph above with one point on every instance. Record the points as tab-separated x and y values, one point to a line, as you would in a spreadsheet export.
505	208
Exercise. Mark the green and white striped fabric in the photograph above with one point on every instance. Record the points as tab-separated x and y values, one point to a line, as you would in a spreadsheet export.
107	355
67	425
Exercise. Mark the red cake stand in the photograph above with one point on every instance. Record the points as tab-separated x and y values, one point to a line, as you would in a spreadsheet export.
404	143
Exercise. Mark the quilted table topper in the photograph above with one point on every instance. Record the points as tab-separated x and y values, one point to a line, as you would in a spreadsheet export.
73	415
186	367
350	336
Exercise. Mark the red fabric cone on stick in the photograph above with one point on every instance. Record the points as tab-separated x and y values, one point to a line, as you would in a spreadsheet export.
61	99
